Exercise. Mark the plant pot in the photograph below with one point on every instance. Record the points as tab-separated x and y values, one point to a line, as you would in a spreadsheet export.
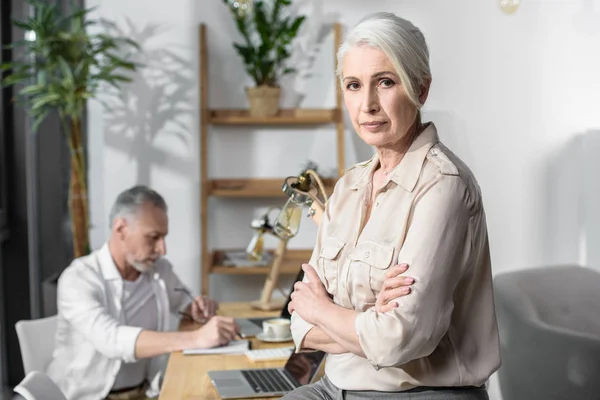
264	100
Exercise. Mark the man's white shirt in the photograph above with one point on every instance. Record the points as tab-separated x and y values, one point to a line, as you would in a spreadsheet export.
140	309
94	338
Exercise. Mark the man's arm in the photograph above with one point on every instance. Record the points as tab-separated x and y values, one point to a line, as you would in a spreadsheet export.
152	344
79	294
80	300
218	331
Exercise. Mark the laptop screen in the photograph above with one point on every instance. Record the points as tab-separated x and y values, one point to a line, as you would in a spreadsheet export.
304	366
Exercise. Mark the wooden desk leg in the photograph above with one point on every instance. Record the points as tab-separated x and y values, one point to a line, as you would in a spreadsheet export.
265	302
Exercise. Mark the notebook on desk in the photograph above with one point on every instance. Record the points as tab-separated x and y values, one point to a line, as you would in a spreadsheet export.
300	369
250	327
233	347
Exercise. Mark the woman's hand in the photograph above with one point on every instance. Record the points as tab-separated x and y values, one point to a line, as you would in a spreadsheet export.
393	287
308	298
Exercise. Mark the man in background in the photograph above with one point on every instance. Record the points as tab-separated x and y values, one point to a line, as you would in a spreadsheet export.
114	305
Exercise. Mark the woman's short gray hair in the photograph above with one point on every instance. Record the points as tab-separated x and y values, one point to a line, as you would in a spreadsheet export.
130	201
401	41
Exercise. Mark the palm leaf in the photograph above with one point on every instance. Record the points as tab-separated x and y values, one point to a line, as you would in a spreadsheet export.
38	119
64	56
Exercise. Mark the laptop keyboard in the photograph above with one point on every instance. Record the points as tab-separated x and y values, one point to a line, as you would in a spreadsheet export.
267	380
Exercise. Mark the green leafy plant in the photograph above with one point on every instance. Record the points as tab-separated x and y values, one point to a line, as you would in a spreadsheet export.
268	33
58	68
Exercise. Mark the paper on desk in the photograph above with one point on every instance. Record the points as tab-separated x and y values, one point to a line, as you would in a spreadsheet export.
233	347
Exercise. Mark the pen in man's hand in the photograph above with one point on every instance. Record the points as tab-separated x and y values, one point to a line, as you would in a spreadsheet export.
193	299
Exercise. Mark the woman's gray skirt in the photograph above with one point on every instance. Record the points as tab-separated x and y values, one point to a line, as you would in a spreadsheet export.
325	390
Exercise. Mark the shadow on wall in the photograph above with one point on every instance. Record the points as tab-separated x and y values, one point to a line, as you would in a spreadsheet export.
571	203
306	52
156	103
586	21
226	70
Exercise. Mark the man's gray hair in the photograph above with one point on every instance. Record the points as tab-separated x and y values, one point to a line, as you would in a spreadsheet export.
401	41
130	201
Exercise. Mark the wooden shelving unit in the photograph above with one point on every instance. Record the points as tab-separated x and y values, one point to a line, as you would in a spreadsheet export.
296	116
253	187
250	187
291	261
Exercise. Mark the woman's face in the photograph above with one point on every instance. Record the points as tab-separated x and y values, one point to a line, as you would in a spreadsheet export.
379	107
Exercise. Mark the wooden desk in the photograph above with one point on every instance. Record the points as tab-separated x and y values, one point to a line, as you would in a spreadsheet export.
186	378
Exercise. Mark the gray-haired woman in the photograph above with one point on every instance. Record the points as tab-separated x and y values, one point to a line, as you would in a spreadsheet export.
413	202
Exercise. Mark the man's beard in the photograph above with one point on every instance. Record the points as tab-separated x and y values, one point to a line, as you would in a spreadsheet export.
142	267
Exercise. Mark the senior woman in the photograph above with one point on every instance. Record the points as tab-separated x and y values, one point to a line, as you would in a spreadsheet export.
414	202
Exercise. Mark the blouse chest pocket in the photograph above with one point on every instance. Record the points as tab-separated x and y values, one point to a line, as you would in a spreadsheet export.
370	262
329	259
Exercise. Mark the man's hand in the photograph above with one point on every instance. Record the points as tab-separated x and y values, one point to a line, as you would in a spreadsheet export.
203	308
309	297
218	331
393	287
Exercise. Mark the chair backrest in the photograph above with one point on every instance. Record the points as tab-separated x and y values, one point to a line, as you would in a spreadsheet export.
36	340
562	296
38	386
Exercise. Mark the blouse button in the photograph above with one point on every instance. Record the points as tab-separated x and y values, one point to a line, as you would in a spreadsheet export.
367	254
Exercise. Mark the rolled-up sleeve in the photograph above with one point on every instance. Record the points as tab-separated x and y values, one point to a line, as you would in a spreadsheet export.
436	249
299	326
80	302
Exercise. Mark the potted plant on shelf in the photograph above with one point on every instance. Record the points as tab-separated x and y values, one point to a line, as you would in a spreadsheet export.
58	68
268	31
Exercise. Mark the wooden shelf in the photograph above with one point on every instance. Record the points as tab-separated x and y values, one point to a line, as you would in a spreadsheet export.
291	264
261	189
293	116
254	187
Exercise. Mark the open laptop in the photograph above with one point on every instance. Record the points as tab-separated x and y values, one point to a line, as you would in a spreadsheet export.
300	369
250	327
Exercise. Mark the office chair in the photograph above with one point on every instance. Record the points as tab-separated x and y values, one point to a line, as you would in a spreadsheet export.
36	340
549	333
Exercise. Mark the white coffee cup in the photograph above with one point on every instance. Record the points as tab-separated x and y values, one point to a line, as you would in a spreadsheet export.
277	328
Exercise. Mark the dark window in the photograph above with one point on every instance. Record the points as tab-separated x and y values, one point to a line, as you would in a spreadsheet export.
3	217
2	141
3	198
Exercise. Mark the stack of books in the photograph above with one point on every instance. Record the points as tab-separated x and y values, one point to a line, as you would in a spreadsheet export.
240	259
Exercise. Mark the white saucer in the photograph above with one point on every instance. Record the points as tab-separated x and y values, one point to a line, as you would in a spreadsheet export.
261	336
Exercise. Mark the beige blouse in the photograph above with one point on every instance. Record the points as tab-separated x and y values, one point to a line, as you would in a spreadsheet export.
429	215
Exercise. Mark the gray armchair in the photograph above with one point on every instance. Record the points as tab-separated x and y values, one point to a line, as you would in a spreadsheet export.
549	323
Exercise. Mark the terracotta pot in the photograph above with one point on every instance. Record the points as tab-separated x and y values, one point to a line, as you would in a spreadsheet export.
264	100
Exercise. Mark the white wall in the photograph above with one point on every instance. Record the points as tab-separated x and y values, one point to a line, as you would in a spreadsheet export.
518	97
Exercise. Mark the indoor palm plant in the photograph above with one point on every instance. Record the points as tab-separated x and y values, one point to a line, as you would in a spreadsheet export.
268	31
58	68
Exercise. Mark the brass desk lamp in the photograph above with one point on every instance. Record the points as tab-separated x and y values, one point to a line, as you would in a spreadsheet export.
262	225
302	191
